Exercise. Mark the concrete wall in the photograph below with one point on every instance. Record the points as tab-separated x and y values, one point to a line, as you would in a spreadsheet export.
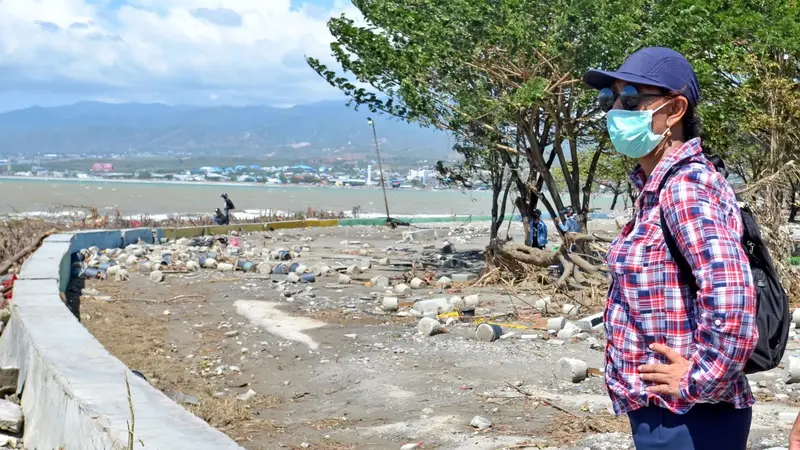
73	391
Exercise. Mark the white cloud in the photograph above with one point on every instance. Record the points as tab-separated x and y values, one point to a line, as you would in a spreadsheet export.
231	51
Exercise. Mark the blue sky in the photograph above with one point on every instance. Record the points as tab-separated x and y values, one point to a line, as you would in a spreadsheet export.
206	52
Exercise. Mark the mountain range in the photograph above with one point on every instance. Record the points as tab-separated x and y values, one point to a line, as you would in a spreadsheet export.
313	129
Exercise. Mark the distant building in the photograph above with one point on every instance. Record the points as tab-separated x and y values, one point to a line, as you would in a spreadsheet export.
102	167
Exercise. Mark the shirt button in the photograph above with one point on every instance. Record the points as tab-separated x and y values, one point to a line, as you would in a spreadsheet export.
717	322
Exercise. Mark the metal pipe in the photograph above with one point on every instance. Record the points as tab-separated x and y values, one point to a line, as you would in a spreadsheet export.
380	168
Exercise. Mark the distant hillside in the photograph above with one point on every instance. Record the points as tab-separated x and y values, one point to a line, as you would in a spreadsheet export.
91	128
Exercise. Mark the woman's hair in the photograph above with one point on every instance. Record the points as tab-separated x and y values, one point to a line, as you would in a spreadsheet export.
691	121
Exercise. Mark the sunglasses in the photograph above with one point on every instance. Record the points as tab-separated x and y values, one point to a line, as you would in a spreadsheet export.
629	96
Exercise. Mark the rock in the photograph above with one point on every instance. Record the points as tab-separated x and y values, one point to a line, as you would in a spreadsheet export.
210	263
488	333
794	369
381	282
444	283
589	322
247	396
429	327
419	235
433	306
411	446
480	423
344	279
472	301
225	267
156	276
417	283
389	304
449	248
573	370
321	270
544	305
292	278
264	268
10	417
571	310
556	323
568	331
353	270
122	275
8	380
456	304
192	266
402	289
462	277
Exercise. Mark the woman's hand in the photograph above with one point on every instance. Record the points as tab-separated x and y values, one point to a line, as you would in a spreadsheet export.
794	436
668	376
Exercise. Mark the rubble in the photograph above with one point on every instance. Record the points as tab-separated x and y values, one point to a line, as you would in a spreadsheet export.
157	276
572	370
444	283
556	323
488	333
429	327
10	417
480	423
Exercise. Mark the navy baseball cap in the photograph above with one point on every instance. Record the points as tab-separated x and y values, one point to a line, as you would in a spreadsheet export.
652	66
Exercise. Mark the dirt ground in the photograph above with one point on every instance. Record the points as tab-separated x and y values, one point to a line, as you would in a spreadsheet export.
321	365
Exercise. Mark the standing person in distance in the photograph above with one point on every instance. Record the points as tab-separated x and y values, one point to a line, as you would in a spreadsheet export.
570	225
538	231
675	358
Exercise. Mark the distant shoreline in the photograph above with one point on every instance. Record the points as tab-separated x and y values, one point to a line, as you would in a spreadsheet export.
212	183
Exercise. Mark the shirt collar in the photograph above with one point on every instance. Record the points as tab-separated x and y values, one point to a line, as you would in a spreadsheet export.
687	150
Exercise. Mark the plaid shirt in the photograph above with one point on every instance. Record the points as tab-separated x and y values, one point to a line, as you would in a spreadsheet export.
716	331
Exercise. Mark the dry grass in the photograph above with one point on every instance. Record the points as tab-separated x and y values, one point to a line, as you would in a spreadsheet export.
567	429
140	342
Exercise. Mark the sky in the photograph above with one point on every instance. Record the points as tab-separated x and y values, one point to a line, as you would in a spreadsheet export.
202	52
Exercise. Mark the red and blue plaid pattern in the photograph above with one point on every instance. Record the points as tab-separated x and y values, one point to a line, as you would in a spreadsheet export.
648	304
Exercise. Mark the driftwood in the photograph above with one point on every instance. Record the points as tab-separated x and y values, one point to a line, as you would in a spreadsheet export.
22	254
508	260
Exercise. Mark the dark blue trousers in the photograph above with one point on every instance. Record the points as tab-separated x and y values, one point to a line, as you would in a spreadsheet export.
705	427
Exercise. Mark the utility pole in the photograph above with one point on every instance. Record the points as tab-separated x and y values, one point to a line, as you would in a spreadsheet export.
380	168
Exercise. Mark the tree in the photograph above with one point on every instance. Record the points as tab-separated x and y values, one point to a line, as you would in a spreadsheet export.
502	75
612	172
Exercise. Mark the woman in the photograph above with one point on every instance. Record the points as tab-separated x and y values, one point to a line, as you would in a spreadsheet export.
675	358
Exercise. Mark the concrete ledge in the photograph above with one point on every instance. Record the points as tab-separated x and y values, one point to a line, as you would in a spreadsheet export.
73	391
133	236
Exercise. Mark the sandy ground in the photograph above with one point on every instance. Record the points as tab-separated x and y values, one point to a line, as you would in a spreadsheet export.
327	368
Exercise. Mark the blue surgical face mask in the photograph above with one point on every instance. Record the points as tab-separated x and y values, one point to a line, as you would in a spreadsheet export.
631	132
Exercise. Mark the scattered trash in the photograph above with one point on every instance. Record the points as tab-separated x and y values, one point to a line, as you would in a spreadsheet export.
429	327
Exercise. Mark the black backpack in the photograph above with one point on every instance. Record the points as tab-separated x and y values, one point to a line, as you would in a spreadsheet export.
772	303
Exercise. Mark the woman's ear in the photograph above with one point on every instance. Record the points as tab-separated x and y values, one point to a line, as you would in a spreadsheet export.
677	111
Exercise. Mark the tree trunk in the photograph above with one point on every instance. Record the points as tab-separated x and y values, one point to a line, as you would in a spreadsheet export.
614	201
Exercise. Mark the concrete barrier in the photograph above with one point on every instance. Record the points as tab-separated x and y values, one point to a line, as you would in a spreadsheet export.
73	391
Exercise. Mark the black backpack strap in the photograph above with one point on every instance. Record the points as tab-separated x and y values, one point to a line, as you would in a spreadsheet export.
684	268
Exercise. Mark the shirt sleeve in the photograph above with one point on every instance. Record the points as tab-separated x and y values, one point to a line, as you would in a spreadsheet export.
706	223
